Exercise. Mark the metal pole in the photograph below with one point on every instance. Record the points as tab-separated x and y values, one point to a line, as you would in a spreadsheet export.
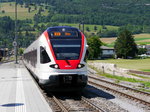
83	26
0	5
15	41
79	26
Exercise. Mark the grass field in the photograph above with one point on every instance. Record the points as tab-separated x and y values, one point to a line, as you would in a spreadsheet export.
22	12
139	39
91	27
142	37
137	64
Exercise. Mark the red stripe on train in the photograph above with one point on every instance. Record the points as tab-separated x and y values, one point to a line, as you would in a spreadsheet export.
50	46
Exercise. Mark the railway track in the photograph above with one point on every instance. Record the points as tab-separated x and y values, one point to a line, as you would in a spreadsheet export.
63	103
130	93
56	104
71	104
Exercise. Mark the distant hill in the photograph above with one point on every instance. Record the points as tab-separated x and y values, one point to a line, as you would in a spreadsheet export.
107	12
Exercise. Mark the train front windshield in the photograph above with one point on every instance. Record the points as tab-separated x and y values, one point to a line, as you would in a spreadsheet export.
66	45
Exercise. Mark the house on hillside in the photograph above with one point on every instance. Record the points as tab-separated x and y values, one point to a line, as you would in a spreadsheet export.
145	46
107	52
110	52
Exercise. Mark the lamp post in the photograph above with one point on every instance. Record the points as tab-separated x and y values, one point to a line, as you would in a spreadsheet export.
0	5
15	40
81	26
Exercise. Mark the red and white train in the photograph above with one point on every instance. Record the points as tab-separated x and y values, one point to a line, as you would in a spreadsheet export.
58	59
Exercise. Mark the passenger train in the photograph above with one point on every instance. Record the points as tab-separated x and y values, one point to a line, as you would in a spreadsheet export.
57	59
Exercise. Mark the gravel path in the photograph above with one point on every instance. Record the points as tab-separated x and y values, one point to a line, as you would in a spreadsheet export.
126	91
102	100
124	103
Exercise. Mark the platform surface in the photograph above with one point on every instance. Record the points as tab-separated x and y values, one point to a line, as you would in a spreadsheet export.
18	91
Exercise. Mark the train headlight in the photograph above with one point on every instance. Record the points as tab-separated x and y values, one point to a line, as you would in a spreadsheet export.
81	65
54	66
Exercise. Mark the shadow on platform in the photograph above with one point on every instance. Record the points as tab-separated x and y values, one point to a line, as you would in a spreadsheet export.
12	104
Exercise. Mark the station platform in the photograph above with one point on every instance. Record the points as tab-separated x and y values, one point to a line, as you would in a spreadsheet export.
18	91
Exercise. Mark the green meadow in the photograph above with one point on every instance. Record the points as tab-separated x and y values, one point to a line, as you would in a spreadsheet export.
22	12
136	64
90	26
140	39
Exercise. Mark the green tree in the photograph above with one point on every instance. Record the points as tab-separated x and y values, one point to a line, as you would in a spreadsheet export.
35	7
125	46
95	28
3	11
142	51
87	29
29	9
94	47
21	50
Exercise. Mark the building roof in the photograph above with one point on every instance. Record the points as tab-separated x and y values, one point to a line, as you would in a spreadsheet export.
107	48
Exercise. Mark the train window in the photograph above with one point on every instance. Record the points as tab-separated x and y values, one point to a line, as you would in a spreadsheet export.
66	49
31	57
44	58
